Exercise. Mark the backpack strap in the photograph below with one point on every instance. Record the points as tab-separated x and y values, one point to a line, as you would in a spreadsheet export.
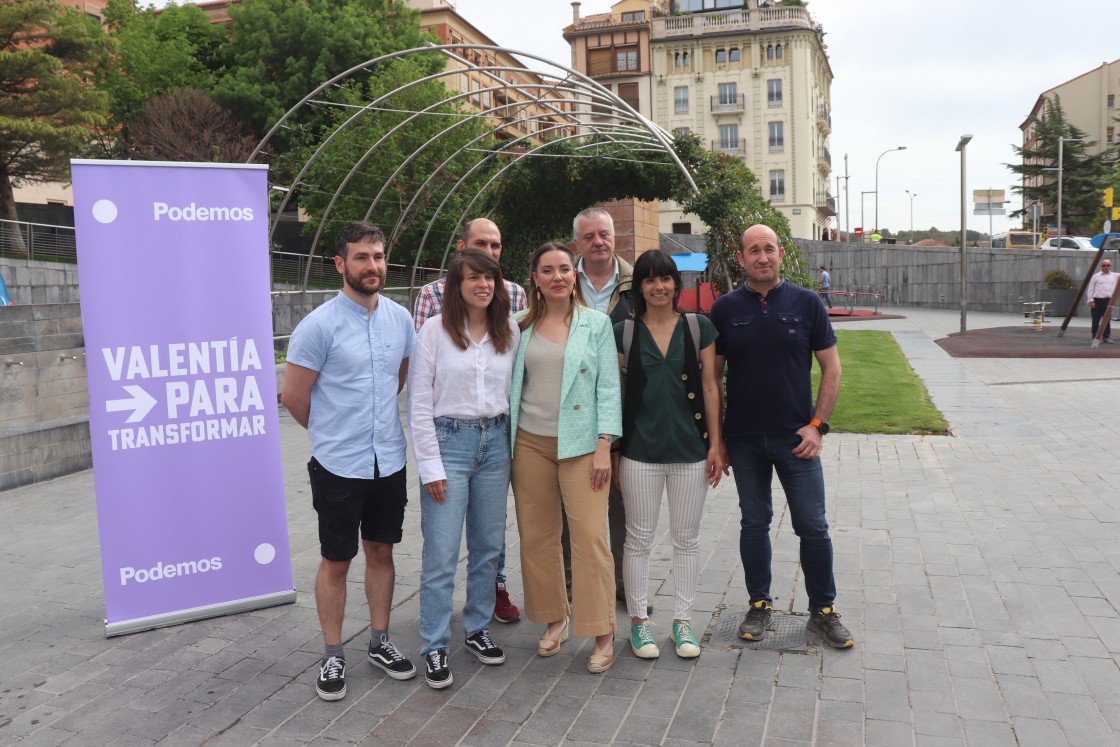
694	330
627	341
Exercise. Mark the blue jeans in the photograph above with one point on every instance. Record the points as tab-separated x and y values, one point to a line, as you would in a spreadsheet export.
753	461
475	455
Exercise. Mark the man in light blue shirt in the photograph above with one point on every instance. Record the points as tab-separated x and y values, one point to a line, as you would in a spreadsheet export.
347	361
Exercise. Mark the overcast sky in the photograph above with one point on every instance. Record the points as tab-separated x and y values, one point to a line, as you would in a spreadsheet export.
919	74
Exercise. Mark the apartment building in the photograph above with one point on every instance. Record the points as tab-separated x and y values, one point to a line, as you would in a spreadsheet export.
1089	102
516	102
752	79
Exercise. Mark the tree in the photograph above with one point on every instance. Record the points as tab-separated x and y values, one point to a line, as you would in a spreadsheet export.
407	167
47	58
554	189
186	124
1083	175
152	54
729	202
279	51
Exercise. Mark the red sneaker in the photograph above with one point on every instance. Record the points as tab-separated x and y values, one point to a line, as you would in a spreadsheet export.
505	611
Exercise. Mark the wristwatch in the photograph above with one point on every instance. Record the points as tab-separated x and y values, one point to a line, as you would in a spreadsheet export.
820	425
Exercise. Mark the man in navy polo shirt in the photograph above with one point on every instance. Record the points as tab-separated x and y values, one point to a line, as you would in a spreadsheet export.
769	331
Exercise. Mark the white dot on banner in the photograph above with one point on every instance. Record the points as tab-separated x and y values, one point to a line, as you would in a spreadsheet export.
104	211
264	554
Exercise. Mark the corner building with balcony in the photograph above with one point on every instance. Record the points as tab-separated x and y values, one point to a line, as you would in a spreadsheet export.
753	82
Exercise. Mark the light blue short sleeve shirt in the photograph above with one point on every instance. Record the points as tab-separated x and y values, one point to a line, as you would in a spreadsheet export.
355	422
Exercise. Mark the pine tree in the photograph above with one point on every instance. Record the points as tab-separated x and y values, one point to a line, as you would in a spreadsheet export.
1084	175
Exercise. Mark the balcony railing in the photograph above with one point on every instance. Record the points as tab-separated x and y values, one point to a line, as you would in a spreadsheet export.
732	103
730	147
825	157
755	19
824	117
826	203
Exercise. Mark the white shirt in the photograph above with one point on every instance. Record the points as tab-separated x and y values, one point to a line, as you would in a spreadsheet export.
1102	285
444	381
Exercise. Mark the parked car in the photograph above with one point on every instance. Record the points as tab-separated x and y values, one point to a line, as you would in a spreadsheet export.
1069	242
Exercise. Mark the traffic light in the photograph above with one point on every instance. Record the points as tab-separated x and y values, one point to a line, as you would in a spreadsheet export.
1108	197
1116	213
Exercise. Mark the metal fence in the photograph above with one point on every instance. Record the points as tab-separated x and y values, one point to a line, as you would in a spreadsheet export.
288	270
50	243
37	241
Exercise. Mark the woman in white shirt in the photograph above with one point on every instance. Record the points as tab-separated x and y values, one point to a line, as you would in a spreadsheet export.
458	390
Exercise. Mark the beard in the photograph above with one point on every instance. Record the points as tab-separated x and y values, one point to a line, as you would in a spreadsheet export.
367	286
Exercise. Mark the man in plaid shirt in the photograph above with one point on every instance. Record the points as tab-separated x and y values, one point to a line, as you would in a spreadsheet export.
479	233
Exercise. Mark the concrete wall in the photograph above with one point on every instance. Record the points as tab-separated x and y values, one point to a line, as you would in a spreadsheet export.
31	282
44	406
929	277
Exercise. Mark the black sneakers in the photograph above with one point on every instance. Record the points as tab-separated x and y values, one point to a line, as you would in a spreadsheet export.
826	621
756	621
331	683
437	674
387	657
481	646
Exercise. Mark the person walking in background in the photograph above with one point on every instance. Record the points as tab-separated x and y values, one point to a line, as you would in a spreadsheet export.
826	286
458	395
565	411
479	233
347	361
1099	294
769	333
671	442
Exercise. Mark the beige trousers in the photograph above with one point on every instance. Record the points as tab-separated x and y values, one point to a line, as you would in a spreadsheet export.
543	487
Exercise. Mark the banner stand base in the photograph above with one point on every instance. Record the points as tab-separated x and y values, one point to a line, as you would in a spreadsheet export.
139	624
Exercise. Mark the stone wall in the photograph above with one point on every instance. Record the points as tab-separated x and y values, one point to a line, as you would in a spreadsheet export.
33	282
929	277
44	406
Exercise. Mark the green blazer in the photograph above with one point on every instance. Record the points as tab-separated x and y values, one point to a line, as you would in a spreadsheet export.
590	393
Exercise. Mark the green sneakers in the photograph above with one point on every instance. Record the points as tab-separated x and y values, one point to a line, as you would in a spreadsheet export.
641	641
685	641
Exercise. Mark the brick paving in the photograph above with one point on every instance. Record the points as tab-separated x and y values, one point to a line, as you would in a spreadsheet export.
977	571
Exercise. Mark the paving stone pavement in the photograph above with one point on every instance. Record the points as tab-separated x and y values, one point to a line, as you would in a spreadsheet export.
977	571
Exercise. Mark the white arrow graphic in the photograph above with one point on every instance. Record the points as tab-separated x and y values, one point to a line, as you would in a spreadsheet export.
141	403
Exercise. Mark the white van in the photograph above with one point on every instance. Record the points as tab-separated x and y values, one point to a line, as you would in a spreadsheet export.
1077	243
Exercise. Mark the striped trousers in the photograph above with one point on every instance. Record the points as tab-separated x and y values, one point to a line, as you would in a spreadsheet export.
643	484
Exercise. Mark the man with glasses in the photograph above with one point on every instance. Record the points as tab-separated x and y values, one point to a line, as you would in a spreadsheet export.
1099	294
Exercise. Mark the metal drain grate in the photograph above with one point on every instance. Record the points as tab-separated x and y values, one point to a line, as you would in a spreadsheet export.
786	632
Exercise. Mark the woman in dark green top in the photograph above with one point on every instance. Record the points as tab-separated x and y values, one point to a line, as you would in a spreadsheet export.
671	441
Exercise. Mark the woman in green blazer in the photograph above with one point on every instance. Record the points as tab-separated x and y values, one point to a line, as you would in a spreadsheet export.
565	410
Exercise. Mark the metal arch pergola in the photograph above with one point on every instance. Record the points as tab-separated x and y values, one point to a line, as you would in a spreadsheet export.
589	108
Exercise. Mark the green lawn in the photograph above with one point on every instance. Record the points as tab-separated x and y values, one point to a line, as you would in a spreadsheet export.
879	391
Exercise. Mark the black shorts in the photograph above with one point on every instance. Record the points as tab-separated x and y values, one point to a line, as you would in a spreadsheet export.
347	505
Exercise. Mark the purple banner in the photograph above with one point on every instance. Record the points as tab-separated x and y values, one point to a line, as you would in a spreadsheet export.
173	270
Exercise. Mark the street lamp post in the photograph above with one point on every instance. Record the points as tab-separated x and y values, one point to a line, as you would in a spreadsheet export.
912	196
889	150
861	222
964	228
1061	142
847	201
